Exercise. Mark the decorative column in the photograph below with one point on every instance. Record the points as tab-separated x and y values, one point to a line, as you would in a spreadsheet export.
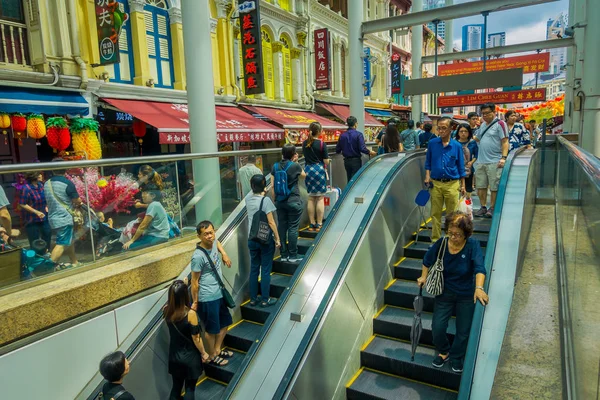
139	44
278	71
298	75
225	51
417	67
355	62
449	31
590	84
337	76
175	19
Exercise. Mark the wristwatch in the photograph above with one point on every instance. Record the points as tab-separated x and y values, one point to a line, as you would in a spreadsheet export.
504	157
479	287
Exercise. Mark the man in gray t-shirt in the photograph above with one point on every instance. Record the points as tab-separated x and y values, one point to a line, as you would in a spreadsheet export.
492	138
246	173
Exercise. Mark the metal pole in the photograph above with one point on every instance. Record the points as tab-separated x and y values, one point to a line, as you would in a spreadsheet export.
201	106
355	49
485	16
417	54
449	34
590	84
436	23
542	181
537	74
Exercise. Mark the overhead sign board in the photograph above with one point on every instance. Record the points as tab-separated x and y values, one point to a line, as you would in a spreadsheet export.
530	63
367	70
517	96
110	17
396	73
322	59
254	82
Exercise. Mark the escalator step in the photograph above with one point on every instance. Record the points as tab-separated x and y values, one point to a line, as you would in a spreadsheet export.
243	335
279	283
304	244
393	357
409	269
305	233
226	372
285	267
425	236
481	225
257	313
416	250
402	294
373	385
397	323
208	389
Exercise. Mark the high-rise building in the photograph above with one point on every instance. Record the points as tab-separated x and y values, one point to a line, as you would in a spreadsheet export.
497	39
555	28
472	37
430	4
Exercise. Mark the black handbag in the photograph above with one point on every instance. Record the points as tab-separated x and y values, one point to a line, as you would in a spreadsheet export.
229	301
260	231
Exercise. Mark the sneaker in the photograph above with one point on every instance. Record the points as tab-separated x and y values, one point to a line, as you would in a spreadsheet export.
489	213
481	212
294	259
457	366
439	362
284	259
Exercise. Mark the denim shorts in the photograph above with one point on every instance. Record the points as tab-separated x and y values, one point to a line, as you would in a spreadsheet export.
64	235
215	315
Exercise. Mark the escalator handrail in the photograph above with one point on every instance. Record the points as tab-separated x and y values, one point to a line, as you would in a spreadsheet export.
323	306
466	381
294	279
586	160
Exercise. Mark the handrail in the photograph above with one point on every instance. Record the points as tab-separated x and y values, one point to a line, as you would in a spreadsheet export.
282	299
335	281
466	381
586	160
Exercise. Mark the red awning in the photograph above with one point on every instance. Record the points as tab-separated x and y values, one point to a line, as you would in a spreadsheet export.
292	119
342	112
172	122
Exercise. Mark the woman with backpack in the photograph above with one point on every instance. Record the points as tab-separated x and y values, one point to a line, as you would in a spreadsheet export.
286	174
317	160
426	135
391	140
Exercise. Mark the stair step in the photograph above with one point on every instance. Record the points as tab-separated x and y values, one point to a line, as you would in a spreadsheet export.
225	373
480	224
409	269
397	323
305	233
285	267
425	236
402	294
243	335
372	385
257	313
208	389
279	283
416	250
304	244
393	357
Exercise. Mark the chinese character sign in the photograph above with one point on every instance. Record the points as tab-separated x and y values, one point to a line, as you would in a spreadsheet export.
367	70
516	96
322	59
110	17
396	73
251	47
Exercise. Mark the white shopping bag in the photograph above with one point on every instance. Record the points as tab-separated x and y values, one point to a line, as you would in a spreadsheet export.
466	206
331	197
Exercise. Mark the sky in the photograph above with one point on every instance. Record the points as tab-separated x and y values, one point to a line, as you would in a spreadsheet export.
526	24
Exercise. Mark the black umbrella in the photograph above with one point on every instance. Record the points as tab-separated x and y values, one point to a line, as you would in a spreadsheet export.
417	325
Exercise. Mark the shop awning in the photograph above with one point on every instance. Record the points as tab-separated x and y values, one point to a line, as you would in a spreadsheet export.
343	112
172	122
292	119
42	101
380	113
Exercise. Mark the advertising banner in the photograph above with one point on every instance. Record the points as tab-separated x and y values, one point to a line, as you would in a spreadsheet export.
110	17
530	63
322	60
396	73
367	70
517	96
251	47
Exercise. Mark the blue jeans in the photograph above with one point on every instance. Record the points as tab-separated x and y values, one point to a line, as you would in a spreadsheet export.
261	262
146	241
443	307
288	219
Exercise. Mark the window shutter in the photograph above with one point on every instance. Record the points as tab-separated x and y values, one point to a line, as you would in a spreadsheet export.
149	21
151	44
162	25
164	48
36	40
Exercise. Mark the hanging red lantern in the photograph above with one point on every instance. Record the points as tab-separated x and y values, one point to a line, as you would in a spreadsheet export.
139	130
59	137
19	125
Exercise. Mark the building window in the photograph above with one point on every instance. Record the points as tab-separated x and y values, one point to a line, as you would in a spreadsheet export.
287	68
123	72
13	30
267	39
285	4
158	40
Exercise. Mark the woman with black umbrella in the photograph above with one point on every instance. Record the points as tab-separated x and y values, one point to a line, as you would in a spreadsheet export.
463	279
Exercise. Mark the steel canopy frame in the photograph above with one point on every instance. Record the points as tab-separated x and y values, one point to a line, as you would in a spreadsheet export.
445	13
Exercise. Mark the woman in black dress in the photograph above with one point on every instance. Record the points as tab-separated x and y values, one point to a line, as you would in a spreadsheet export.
186	350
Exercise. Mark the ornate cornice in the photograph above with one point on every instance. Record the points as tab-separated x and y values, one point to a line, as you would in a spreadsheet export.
136	6
213	25
271	11
175	15
328	17
301	36
295	53
223	8
276	47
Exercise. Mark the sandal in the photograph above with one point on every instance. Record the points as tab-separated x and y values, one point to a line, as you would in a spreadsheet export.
226	354
206	360
318	228
312	228
218	361
63	266
269	302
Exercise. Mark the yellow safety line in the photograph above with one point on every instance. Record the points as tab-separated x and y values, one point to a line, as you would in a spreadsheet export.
409	243
234	325
279	273
408	379
218	381
380	311
367	343
246	302
355	377
201	380
277	258
255	323
390	284
233	348
400	261
403	341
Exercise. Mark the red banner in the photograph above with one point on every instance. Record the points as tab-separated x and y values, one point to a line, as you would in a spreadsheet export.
322	59
184	137
530	63
251	47
516	96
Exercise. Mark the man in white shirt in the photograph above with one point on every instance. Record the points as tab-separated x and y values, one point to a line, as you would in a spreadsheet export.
246	173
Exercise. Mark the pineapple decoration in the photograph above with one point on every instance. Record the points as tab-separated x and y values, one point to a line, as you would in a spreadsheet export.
59	137
36	127
4	125
19	125
85	137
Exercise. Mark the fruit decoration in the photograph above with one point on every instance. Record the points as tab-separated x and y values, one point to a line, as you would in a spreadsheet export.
85	137
36	127
59	137
4	125
19	125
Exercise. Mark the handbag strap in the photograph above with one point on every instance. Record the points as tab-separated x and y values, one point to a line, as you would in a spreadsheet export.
442	250
487	128
59	201
212	266
181	334
118	394
259	207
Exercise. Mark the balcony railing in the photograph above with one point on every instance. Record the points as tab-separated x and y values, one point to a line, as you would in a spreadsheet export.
15	45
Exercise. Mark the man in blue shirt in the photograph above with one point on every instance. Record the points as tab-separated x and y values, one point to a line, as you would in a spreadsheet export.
351	144
445	168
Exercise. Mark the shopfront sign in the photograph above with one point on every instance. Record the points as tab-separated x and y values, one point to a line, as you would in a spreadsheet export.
517	96
530	63
322	60
396	73
110	17
249	137
367	70
251	47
